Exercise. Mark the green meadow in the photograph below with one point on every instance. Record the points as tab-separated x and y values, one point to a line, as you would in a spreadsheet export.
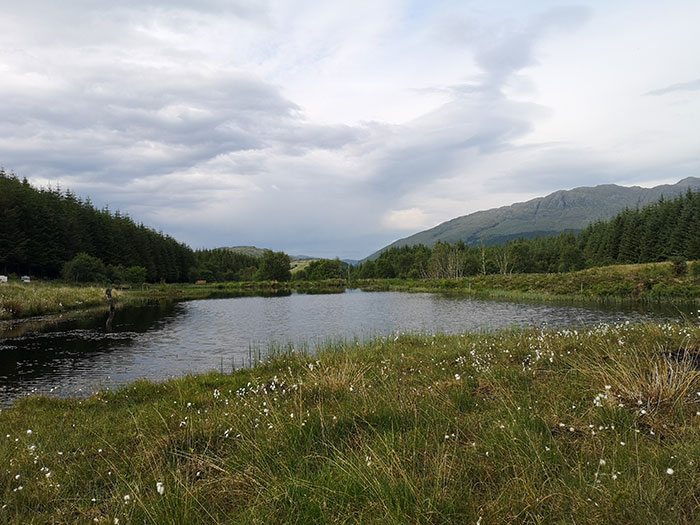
596	425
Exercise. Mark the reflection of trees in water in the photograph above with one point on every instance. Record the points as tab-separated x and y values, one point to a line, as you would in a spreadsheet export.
41	351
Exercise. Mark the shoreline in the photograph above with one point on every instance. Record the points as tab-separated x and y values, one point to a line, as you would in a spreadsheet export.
630	284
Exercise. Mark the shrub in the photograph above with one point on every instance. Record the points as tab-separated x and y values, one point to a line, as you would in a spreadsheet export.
679	266
136	275
695	269
84	268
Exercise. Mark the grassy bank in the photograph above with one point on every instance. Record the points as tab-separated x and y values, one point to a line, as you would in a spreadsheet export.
177	291
596	426
19	300
640	282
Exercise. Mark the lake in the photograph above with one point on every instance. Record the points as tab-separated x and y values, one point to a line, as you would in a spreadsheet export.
158	341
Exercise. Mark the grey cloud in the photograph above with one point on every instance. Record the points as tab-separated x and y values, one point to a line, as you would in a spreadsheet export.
107	121
693	85
441	143
505	49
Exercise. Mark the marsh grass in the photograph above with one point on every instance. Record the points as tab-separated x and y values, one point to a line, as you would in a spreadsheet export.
19	300
651	282
506	427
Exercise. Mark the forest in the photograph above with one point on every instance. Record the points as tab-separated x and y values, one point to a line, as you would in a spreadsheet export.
48	233
666	230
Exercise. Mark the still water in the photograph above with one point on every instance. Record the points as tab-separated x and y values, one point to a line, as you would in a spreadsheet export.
77	357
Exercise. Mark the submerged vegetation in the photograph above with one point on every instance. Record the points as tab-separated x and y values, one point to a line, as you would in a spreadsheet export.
600	424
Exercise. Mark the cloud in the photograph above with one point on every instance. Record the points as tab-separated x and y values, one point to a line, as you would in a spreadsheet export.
693	85
332	129
503	49
412	219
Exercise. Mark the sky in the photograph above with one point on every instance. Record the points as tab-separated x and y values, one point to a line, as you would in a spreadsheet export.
332	128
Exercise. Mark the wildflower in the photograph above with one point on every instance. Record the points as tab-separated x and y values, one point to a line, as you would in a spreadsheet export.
127	498
602	462
458	377
29	432
160	488
669	471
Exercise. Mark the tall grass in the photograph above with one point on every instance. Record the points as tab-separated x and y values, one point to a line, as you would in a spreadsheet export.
519	426
653	282
24	300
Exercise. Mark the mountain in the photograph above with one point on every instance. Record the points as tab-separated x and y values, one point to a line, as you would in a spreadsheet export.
563	210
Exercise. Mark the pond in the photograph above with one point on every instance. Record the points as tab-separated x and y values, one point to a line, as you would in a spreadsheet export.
158	341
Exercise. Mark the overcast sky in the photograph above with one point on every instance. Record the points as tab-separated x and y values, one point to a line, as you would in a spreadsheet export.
332	128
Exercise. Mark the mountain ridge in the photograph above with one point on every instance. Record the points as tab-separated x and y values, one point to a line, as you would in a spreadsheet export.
559	211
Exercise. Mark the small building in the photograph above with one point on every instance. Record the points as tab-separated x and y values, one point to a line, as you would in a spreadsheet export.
3	279
26	279
201	281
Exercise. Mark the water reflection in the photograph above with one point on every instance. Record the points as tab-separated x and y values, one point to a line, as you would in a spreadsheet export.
164	339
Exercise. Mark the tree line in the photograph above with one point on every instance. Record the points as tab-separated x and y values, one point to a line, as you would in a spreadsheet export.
666	230
43	229
49	233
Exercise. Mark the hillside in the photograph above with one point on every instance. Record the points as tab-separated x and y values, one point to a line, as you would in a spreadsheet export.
557	212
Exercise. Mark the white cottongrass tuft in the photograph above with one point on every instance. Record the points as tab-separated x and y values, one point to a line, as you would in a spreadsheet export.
160	488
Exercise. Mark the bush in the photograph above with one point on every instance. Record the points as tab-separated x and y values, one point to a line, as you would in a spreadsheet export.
695	269
136	275
274	266
679	266
84	268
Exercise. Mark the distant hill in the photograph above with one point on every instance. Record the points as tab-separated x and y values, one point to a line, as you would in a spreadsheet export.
563	210
251	251
298	261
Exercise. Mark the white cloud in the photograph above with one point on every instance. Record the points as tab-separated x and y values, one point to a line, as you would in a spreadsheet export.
412	219
334	128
